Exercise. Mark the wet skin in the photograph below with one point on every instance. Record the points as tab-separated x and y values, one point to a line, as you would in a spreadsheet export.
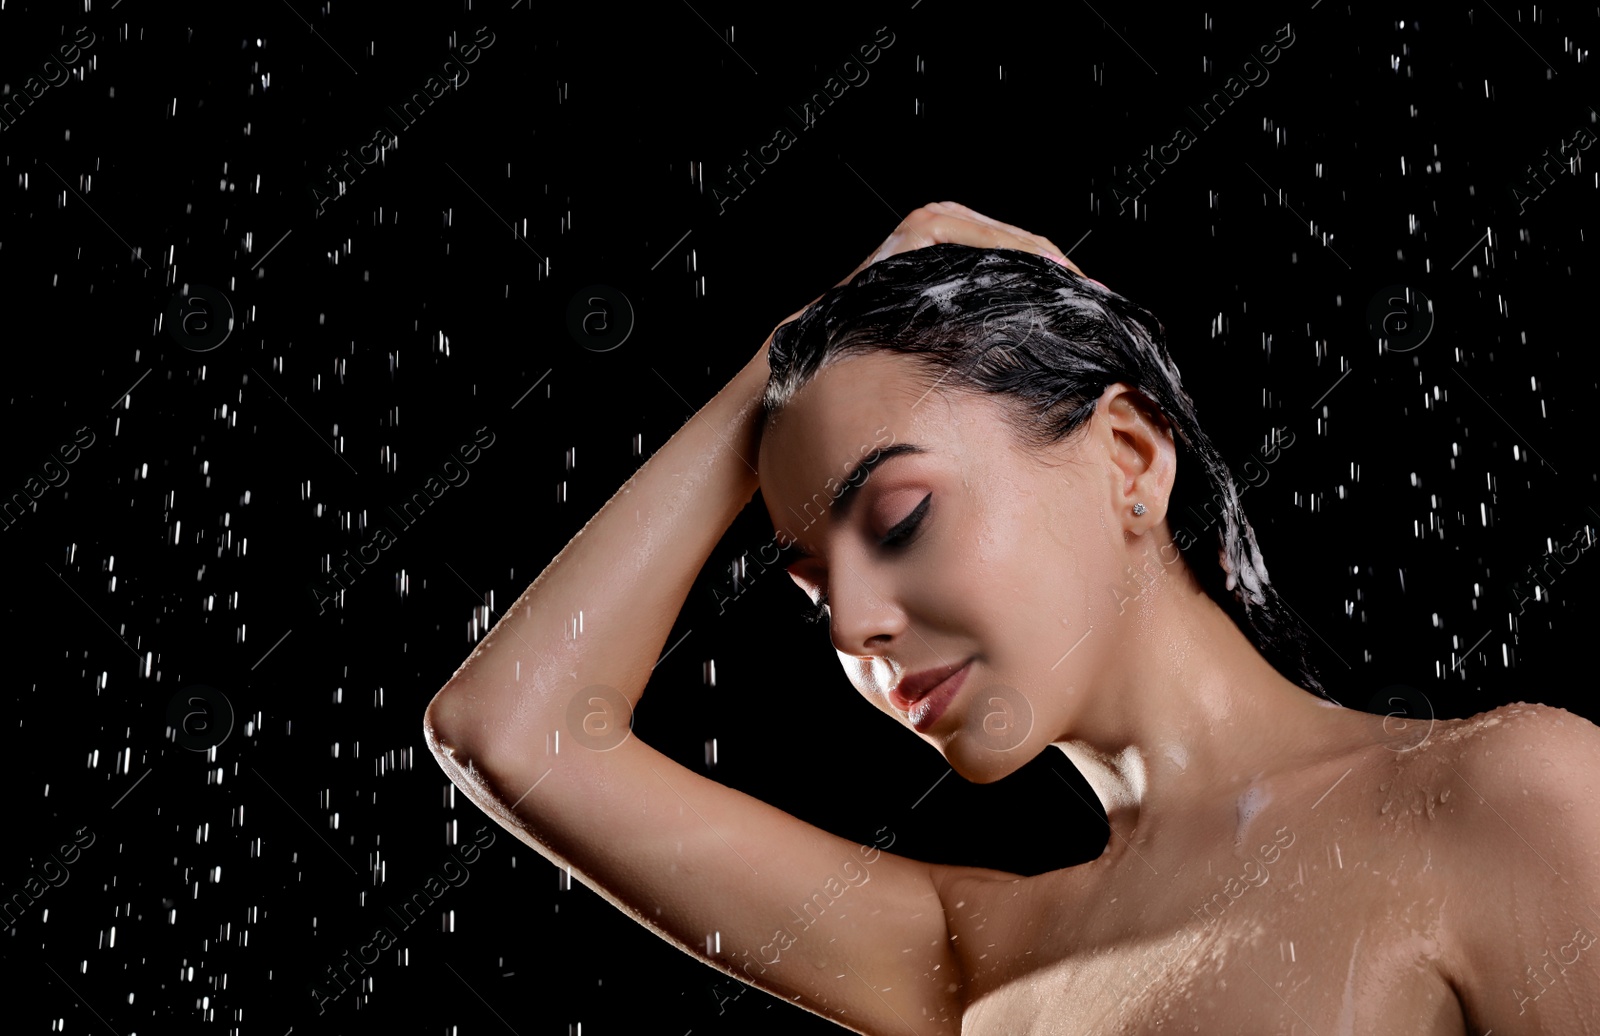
1276	863
1333	919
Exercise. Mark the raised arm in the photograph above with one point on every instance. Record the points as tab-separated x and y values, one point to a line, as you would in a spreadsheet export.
534	728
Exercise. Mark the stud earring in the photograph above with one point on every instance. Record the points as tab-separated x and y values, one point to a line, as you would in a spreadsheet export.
1138	509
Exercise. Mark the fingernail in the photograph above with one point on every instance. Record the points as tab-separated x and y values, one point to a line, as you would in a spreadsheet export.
1063	262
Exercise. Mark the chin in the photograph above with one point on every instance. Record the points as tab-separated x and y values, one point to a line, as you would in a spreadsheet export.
994	736
981	763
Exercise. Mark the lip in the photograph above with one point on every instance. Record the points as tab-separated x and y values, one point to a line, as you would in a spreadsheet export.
924	696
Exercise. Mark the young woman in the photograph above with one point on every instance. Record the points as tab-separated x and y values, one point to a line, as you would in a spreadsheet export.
992	483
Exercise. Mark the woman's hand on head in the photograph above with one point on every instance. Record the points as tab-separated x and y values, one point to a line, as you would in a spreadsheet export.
947	222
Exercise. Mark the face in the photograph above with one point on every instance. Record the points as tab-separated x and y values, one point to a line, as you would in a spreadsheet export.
959	547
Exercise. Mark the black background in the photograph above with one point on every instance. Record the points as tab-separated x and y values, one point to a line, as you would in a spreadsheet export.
380	334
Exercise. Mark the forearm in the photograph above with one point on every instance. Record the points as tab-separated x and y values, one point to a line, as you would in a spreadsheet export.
621	580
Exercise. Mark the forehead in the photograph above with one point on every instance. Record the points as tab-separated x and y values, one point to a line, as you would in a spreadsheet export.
849	412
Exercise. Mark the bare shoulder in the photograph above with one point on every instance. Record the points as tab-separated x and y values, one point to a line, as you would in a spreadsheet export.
1524	779
1522	840
1547	755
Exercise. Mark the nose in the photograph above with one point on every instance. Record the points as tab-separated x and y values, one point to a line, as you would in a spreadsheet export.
864	618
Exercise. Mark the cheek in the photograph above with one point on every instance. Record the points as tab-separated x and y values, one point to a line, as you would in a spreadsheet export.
1033	540
1066	536
1012	575
1006	528
1052	522
1063	571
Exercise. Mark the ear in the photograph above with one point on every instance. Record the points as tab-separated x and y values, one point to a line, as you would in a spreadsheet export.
1142	452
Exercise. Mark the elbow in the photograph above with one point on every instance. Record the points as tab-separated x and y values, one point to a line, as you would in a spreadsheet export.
458	731
432	733
446	736
460	727
441	725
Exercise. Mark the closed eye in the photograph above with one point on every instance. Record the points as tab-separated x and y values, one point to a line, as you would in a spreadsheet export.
895	537
903	530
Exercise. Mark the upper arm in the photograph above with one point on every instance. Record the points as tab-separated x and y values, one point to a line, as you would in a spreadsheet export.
846	931
1527	835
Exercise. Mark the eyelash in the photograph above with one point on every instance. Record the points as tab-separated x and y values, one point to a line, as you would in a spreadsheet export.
895	537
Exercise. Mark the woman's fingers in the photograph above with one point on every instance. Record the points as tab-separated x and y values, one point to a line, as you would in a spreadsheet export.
957	209
1069	264
954	223
1044	244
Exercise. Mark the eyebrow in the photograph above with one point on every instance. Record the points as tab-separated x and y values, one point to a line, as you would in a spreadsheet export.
854	481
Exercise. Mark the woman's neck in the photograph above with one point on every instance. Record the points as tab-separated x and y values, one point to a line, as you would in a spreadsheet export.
1195	719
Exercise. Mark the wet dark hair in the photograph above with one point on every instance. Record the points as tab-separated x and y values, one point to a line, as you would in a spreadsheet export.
1045	343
